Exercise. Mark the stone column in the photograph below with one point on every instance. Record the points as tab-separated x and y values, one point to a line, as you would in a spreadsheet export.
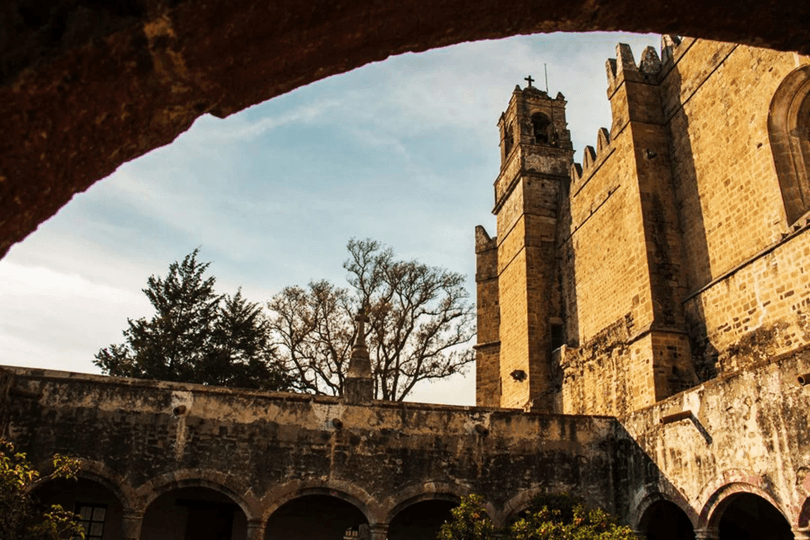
707	534
359	384
801	534
255	530
640	535
131	525
378	531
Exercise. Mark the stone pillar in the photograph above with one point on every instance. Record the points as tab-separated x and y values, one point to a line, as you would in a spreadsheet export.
707	534
801	534
378	531
255	530
131	525
359	384
640	535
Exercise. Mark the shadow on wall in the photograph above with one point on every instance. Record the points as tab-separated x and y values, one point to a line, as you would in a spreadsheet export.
652	504
692	221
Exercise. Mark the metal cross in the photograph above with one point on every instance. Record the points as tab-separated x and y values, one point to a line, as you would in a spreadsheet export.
529	78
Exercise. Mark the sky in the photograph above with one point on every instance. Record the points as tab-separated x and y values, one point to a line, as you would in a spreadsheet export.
404	151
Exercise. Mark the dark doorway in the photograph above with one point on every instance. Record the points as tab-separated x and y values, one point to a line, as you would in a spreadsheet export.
749	517
315	517
664	520
195	513
420	521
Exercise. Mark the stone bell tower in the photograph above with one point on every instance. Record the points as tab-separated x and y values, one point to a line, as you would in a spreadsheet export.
519	315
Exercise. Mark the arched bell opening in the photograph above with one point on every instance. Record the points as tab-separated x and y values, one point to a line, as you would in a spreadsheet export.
316	517
194	513
541	128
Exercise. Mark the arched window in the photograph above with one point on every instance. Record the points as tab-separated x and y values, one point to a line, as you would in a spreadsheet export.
541	125
789	132
508	140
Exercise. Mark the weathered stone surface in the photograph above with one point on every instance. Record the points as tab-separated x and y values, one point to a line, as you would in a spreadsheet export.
265	447
86	87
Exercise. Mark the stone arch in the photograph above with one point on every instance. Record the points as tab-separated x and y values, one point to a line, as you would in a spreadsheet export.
275	499
651	494
422	515
102	499
517	504
202	478
712	509
662	518
96	471
789	133
422	492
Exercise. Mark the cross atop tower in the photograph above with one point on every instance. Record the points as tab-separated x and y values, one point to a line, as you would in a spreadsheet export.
529	79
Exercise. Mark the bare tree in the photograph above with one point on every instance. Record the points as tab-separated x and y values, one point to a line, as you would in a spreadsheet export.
420	320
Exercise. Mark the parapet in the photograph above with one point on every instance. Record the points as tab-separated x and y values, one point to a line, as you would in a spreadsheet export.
591	159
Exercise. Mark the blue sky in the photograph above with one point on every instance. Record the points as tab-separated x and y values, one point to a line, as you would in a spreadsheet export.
404	151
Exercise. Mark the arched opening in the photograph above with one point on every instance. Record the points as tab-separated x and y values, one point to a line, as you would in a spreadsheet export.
745	516
315	517
789	132
194	513
420	521
101	512
664	520
541	128
508	140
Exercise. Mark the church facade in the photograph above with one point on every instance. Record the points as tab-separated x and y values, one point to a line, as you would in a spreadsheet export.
642	342
674	254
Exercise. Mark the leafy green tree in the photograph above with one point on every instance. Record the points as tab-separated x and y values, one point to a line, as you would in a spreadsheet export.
470	521
196	335
420	322
549	517
21	517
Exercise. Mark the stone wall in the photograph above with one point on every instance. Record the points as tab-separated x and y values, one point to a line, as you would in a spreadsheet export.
742	433
261	448
680	261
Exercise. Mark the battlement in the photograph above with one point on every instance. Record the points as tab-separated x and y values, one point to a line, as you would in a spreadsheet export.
591	158
624	68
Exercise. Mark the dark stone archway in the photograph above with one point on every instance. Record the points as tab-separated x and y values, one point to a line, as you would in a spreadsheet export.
665	520
421	520
101	512
85	87
315	517
745	516
194	513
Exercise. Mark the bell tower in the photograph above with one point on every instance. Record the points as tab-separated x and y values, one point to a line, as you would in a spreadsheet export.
519	312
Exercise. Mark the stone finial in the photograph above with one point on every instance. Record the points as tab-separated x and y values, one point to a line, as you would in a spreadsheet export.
359	384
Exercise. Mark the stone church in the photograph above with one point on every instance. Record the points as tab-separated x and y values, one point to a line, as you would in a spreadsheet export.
642	342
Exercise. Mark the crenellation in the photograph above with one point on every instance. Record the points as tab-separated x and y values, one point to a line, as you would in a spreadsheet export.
575	173
588	159
669	45
602	141
650	64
